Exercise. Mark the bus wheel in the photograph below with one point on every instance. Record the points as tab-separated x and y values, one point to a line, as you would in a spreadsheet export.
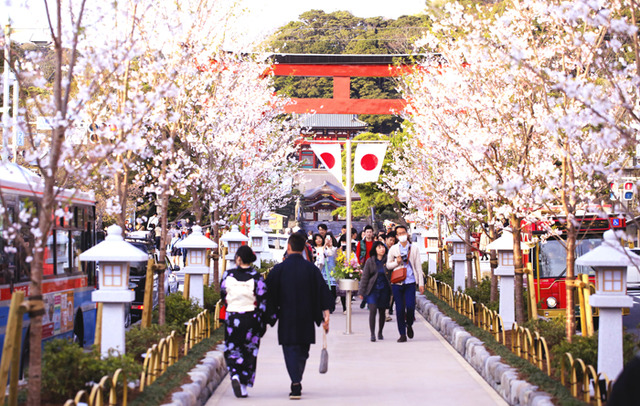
78	329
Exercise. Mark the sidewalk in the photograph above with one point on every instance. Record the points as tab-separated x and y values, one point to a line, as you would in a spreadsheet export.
425	370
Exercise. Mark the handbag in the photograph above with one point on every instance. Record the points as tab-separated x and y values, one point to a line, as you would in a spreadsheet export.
324	355
400	273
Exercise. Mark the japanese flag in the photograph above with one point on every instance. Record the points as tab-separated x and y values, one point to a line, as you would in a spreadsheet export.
331	157
368	162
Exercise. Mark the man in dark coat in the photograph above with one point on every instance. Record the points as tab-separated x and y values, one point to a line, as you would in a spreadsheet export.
298	297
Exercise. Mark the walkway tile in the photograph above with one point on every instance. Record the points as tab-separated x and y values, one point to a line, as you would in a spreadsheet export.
425	370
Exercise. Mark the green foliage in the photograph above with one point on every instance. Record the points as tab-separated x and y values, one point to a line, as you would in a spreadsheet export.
481	293
586	348
445	276
211	297
553	330
265	267
68	368
138	340
178	311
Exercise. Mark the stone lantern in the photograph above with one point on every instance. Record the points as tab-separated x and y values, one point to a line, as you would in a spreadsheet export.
458	257
431	239
506	271
259	242
196	245
113	255
233	240
610	261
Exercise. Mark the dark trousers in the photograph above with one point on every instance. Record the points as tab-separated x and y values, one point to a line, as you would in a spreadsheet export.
295	358
405	297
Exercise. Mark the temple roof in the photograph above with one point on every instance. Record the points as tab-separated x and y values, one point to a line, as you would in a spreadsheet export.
332	121
316	182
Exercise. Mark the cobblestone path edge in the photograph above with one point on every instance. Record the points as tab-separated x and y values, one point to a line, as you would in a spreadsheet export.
205	377
502	377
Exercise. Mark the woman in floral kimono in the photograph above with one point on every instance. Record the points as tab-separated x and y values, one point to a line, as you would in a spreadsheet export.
243	292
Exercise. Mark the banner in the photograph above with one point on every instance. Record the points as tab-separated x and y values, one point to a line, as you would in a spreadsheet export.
331	157
368	162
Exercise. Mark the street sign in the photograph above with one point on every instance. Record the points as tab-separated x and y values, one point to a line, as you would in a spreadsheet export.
628	191
20	139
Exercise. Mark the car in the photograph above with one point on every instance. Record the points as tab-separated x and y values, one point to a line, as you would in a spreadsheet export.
138	276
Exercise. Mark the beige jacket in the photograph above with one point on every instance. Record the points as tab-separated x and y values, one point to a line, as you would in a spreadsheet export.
414	260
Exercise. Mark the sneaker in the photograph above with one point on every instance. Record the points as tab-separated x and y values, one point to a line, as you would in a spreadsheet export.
344	312
235	384
373	338
243	389
380	336
402	339
296	391
389	318
410	331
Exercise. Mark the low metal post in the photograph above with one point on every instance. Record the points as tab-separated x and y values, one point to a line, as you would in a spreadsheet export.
148	295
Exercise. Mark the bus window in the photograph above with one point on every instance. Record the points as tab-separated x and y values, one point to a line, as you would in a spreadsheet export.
553	257
76	250
47	268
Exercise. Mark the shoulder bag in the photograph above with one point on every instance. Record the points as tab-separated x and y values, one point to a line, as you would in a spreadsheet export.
400	273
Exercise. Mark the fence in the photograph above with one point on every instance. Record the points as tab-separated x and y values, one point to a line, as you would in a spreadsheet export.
583	381
95	397
157	359
198	328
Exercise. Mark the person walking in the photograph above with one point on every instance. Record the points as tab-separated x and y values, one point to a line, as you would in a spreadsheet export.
404	292
375	288
244	293
330	255
363	249
298	297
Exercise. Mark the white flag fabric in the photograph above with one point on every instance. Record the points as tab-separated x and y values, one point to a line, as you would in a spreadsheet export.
368	162
331	157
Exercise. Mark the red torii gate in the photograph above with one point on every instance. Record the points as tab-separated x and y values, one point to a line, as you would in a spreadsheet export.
342	68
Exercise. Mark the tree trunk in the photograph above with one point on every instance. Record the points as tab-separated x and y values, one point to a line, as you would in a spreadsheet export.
164	232
439	256
469	255
197	204
572	234
493	257
518	263
216	239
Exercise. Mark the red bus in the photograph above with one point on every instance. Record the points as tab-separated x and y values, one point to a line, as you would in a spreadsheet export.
549	258
67	283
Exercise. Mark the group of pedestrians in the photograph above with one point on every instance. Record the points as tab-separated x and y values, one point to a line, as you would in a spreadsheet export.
300	293
294	294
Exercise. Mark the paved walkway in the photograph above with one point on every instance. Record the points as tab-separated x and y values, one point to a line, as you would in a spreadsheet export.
425	370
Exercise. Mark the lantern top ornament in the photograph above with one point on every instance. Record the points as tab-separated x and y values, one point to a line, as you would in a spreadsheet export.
234	235
609	254
114	249
505	242
196	240
256	231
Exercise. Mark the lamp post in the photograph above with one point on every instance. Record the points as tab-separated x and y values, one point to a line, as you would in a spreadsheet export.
233	240
196	245
458	258
114	255
610	261
432	250
506	271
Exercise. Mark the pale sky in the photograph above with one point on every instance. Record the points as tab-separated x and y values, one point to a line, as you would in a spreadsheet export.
260	17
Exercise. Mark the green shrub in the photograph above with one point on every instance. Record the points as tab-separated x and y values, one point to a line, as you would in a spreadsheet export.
586	348
425	267
481	293
553	330
265	267
68	368
178	311
138	339
211	297
445	276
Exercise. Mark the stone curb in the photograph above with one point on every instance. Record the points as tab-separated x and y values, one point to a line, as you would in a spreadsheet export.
206	377
502	377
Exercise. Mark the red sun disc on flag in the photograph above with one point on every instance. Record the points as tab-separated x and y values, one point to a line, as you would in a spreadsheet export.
328	159
369	162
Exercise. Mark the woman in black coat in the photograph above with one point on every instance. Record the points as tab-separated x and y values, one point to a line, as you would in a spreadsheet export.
375	287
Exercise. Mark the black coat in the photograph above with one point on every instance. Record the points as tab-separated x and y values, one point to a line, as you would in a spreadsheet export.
296	296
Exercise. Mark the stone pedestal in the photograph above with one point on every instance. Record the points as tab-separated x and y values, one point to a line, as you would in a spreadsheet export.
433	262
507	296
113	311
196	283
610	359
459	273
